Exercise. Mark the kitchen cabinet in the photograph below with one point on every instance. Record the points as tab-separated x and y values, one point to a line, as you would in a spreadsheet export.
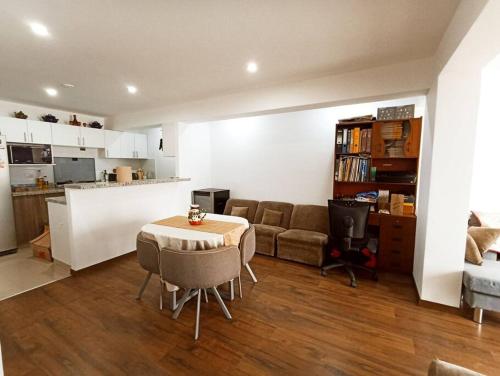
25	131
112	144
92	137
170	135
69	135
141	145
65	135
126	145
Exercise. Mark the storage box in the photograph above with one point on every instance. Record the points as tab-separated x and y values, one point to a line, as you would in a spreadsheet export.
41	246
397	203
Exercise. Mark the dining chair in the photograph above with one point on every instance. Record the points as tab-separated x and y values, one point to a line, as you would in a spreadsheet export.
195	271
247	250
148	255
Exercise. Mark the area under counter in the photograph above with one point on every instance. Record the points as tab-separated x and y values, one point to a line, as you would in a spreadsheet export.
103	219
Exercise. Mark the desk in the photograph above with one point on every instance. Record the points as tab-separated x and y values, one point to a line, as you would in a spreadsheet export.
396	241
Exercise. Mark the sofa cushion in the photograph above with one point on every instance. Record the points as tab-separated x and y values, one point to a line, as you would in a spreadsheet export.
266	238
484	237
484	279
311	218
271	217
250	204
304	236
284	207
472	253
240	211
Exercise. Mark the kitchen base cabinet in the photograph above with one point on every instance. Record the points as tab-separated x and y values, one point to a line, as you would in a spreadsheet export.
30	216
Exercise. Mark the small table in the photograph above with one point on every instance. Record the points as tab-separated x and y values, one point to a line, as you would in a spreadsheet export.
217	230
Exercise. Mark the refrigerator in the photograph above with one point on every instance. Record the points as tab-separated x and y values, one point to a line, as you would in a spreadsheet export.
7	227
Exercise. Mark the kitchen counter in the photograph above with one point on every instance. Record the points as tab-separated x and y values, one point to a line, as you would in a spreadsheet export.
57	200
34	192
132	183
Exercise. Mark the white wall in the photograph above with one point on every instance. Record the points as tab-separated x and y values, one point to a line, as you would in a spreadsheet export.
284	157
486	173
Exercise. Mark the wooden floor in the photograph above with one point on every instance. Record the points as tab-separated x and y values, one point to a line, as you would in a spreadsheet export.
293	322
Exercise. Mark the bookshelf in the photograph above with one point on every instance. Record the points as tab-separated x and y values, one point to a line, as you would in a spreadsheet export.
390	146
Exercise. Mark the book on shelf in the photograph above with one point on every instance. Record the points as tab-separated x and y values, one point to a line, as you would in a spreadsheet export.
344	140
338	141
352	169
355	140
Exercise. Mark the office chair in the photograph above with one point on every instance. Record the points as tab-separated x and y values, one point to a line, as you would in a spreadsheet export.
348	226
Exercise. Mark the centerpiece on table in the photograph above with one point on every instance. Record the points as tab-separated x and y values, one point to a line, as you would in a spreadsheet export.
195	215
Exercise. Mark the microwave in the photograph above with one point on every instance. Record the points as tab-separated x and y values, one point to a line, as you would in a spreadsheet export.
29	154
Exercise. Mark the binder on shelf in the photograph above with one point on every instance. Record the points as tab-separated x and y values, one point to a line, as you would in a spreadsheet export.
344	140
338	142
355	141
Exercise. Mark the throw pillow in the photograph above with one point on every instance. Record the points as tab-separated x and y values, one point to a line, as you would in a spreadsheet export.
484	237
271	217
472	253
488	219
240	211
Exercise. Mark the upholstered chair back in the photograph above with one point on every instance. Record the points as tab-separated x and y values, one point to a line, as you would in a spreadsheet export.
250	204
311	218
284	207
148	253
247	245
200	269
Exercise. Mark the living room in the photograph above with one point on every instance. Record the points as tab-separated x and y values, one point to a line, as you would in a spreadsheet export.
256	100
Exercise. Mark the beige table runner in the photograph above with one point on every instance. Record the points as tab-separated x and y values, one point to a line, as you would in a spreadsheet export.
231	231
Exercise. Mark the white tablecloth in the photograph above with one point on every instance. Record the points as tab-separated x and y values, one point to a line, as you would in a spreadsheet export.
190	240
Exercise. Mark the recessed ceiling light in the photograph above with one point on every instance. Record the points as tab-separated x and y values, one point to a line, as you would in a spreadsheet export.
68	85
131	89
39	29
51	92
252	67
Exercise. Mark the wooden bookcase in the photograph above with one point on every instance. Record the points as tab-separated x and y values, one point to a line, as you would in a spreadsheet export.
404	160
394	147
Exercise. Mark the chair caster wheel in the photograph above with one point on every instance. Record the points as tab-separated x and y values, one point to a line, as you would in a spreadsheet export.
323	273
354	284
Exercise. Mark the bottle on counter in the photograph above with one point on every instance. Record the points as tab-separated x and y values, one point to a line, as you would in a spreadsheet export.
105	176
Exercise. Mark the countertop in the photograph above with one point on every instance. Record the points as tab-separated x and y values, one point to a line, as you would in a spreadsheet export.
132	183
34	192
57	200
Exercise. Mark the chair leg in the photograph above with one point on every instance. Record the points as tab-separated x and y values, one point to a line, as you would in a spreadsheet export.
183	300
144	284
353	277
324	269
173	301
478	315
197	325
161	294
221	303
239	285
206	295
251	272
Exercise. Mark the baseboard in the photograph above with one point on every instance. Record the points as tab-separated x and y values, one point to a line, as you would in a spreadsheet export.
76	272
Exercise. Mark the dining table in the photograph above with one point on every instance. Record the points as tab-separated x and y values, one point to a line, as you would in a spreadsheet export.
216	230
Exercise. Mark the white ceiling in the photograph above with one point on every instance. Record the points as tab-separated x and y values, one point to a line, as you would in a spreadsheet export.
175	51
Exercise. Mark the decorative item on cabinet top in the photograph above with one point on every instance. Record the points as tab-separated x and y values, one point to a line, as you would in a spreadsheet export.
20	115
75	121
396	113
95	124
49	118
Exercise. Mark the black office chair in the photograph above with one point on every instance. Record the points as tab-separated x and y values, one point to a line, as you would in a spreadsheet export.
348	226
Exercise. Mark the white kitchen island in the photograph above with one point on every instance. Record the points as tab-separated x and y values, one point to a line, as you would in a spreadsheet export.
103	219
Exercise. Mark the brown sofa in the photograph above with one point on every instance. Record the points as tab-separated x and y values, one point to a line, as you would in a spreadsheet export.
250	204
267	234
307	237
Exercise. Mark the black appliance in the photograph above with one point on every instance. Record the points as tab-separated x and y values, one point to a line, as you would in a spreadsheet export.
29	154
74	170
212	200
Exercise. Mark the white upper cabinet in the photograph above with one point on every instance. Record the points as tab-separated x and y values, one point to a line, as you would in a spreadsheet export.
141	145
127	145
14	129
39	132
25	131
112	144
170	136
65	135
92	138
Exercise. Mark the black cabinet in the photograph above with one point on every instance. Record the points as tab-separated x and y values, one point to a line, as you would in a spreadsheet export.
212	200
